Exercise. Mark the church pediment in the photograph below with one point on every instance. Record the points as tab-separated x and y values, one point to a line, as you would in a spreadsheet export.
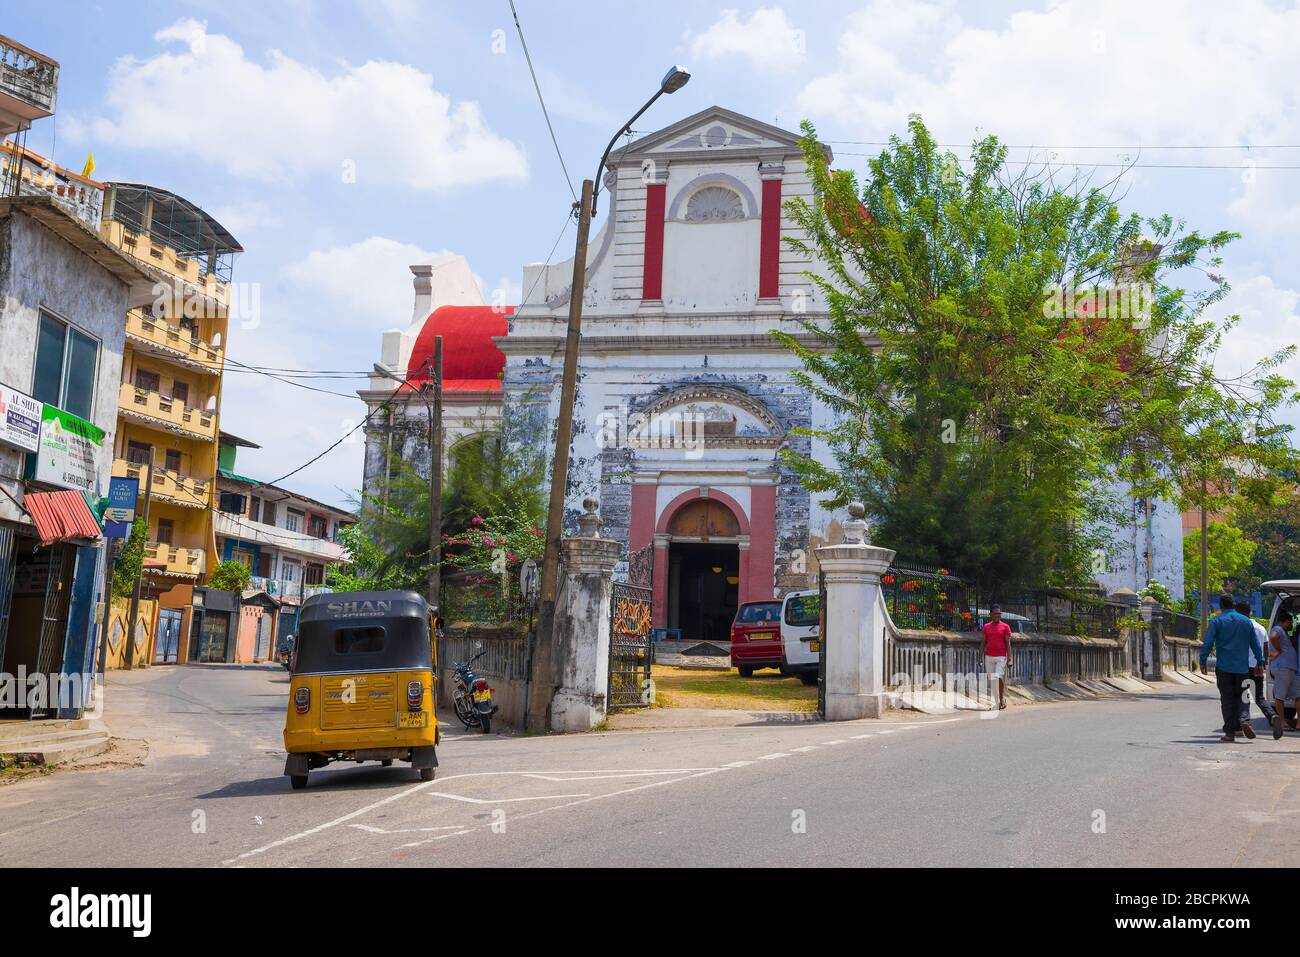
715	130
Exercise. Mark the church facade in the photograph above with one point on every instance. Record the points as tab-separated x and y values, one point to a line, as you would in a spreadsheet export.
684	401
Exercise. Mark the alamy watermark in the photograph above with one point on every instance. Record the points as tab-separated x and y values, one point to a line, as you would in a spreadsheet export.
622	429
1130	302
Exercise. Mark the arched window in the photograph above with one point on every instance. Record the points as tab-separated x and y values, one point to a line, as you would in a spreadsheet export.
714	204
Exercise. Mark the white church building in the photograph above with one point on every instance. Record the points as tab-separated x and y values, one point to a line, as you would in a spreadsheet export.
684	398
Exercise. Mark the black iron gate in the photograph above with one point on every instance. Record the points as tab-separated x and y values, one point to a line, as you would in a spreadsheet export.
821	644
630	651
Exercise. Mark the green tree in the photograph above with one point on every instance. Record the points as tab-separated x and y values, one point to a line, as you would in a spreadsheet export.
230	575
1275	528
388	546
1230	554
130	560
984	387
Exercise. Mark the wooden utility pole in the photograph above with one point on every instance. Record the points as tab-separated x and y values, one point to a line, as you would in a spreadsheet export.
135	594
540	682
435	480
1205	571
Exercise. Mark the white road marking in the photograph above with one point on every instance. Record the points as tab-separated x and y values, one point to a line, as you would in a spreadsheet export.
586	800
537	797
836	741
405	830
602	775
773	757
859	737
738	764
328	824
806	747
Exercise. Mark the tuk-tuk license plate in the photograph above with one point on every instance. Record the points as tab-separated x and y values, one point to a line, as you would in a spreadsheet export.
482	695
412	719
814	646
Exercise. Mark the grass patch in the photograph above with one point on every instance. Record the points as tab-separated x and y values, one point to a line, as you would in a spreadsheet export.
766	691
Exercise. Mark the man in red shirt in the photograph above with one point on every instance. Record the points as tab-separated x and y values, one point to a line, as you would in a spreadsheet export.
997	652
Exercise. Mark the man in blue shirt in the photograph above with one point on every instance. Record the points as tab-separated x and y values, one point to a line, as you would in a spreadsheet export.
1232	636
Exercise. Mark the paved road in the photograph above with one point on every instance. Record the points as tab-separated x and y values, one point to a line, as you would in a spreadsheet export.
1137	780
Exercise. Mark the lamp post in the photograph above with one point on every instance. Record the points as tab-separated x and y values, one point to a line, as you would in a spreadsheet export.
434	409
673	80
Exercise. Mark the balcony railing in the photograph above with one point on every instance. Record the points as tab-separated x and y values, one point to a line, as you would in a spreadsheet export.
173	341
244	529
166	559
24	173
284	589
169	413
173	486
212	278
29	77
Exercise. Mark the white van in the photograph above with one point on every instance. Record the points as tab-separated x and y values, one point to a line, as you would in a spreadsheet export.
800	634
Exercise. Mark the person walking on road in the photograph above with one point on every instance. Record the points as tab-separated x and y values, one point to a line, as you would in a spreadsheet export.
1231	637
997	653
1284	662
1257	672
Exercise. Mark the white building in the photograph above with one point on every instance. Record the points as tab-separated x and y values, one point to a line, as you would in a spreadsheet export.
684	398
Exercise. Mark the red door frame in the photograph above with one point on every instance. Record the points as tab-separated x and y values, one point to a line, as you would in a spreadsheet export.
757	562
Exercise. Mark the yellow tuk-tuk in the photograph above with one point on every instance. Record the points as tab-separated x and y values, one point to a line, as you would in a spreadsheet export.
361	687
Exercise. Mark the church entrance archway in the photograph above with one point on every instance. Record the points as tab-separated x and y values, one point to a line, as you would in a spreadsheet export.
703	589
704	536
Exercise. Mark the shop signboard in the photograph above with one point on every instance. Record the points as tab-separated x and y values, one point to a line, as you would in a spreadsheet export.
20	419
69	450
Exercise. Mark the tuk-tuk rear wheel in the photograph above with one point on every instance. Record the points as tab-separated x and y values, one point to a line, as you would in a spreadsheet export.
426	774
298	781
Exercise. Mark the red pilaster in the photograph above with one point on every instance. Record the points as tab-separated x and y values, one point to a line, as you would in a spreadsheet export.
769	252
652	283
760	583
642	530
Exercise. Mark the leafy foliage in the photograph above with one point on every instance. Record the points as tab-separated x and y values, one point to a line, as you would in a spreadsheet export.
1275	528
489	494
130	560
230	575
977	417
1228	559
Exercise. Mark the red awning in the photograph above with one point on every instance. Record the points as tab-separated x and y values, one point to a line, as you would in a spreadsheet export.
61	516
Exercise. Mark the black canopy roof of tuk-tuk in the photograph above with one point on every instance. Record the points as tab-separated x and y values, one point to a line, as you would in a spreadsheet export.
402	615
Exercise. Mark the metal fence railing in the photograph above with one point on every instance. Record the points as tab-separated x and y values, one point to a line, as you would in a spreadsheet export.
920	597
506	655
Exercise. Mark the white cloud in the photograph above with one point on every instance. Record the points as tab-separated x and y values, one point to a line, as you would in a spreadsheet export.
768	39
282	118
369	281
1270	320
1104	72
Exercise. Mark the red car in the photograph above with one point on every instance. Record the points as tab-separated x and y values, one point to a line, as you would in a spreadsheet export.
756	637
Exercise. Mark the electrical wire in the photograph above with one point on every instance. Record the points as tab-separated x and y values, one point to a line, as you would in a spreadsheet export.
524	43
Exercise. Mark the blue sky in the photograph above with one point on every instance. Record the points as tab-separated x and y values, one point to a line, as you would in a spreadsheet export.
261	112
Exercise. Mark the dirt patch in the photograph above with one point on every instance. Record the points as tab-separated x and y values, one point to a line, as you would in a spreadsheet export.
726	690
121	753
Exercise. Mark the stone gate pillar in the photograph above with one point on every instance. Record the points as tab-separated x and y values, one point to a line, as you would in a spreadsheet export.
581	653
854	629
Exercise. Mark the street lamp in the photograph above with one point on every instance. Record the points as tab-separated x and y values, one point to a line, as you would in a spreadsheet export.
540	677
434	409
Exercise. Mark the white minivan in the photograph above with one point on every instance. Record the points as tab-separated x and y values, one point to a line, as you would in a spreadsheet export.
800	634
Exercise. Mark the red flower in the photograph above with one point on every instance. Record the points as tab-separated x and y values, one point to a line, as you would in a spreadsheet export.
476	520
888	580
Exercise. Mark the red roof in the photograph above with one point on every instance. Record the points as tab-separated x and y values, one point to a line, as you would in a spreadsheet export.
471	361
61	516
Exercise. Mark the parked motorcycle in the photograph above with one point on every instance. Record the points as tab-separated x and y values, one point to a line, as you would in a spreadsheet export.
473	697
285	654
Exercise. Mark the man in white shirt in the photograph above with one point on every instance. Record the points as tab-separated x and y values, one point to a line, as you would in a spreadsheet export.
1262	633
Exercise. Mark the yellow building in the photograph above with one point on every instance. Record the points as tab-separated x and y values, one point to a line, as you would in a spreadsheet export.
169	404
